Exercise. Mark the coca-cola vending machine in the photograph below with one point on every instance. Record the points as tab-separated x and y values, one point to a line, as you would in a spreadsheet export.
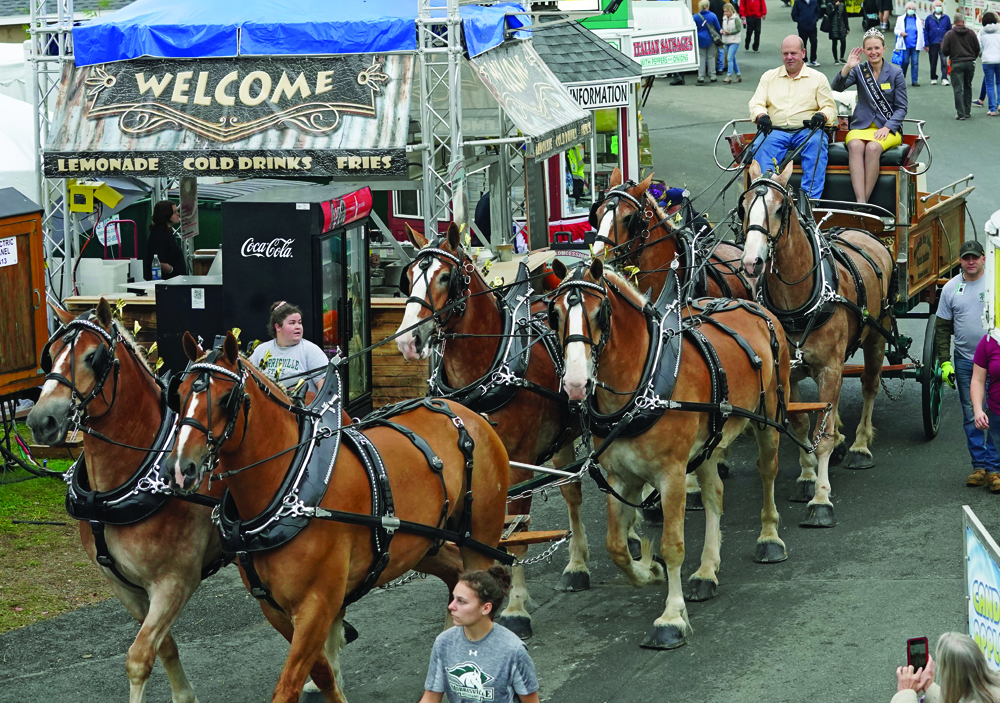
307	245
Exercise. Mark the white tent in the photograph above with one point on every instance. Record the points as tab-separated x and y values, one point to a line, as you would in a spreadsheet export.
13	71
18	164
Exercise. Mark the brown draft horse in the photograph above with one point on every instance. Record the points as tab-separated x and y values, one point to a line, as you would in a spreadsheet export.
596	308
166	552
653	247
310	575
793	278
529	425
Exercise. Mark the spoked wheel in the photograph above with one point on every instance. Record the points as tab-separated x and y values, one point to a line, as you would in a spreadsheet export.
930	381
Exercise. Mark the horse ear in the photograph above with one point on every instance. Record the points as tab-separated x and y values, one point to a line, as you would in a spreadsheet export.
191	349
644	186
65	316
419	241
597	269
104	314
232	348
786	174
559	269
754	171
616	178
454	236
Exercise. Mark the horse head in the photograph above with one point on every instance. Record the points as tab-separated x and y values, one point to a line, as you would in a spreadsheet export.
580	314
208	399
78	360
765	209
438	277
622	214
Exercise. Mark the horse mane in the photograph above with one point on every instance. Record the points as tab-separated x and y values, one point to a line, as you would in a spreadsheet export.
267	380
625	287
131	341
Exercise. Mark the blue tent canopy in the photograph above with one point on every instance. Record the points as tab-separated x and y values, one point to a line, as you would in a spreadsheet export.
206	28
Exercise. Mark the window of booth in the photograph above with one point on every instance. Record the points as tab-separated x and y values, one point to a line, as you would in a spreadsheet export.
591	162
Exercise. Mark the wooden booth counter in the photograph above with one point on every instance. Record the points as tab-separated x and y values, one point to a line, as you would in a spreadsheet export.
393	378
136	308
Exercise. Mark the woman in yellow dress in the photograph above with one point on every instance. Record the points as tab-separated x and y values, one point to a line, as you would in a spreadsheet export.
877	123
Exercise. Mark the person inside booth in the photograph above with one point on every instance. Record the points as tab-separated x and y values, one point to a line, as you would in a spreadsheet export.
163	244
576	166
288	357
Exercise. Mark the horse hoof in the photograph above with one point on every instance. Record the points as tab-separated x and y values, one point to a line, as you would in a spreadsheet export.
635	548
664	637
653	516
701	589
520	625
819	515
770	553
860	460
350	632
659	560
573	581
838	454
804	491
723	469
694	501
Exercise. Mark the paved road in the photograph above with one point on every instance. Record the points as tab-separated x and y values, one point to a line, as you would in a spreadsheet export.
828	624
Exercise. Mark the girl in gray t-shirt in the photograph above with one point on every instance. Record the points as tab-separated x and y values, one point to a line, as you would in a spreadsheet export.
288	355
479	660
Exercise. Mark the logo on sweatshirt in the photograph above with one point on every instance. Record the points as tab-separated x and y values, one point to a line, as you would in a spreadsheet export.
468	682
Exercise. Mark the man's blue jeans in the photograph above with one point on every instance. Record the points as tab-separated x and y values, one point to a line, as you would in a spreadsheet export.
982	445
778	143
912	57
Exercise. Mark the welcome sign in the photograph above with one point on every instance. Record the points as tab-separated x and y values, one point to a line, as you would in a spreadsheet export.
332	116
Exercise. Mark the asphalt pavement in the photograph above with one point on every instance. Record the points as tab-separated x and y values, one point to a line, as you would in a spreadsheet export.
829	624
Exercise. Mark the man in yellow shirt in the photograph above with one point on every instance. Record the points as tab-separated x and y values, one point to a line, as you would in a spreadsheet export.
790	101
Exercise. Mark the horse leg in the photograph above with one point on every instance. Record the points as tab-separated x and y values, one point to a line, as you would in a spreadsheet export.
180	687
515	616
313	623
770	547
839	443
805	485
620	519
820	509
671	628
333	686
704	583
860	454
576	575
321	672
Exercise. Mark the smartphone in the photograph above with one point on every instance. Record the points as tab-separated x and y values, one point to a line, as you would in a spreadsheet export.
916	652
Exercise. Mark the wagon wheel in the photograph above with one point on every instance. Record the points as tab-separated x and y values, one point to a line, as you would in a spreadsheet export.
930	380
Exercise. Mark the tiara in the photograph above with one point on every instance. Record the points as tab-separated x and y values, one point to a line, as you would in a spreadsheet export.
874	32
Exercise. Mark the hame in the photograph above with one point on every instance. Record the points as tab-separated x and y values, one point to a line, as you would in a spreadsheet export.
252	90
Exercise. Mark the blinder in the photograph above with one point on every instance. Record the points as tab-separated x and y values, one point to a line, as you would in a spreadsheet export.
173	394
99	360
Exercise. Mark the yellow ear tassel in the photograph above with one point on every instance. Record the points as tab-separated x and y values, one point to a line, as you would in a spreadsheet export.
159	363
136	327
152	349
236	333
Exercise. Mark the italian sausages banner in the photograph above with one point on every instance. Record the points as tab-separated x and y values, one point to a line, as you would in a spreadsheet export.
342	116
982	582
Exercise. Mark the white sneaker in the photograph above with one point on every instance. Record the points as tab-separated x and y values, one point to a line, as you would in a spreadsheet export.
944	81
933	81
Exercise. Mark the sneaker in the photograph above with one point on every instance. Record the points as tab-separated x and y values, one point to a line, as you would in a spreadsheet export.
914	85
714	79
961	117
933	81
944	81
814	64
977	103
727	79
993	482
739	78
991	113
977	478
701	81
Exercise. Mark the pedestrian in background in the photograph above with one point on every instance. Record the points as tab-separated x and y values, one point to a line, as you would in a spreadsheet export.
707	23
961	45
715	6
753	13
870	14
885	7
837	28
911	29
731	28
960	314
805	15
989	43
936	25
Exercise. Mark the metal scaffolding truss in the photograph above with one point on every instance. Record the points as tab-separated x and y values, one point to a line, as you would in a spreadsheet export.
51	41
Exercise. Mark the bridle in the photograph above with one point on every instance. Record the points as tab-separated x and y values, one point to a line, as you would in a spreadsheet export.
760	187
637	224
102	363
576	289
462	269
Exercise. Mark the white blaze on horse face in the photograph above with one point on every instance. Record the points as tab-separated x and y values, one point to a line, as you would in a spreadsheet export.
51	384
183	435
603	230
577	359
407	343
756	245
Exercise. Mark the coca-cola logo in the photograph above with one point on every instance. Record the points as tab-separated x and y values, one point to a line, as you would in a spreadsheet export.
274	249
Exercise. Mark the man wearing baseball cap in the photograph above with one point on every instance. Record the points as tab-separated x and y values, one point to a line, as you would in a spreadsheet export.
960	313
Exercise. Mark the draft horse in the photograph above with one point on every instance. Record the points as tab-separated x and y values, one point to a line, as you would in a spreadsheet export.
497	359
833	293
641	234
319	514
655	384
154	549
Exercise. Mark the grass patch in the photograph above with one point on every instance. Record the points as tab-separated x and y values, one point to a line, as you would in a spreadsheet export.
43	569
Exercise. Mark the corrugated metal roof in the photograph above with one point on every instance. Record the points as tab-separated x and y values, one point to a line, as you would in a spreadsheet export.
228	191
577	55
